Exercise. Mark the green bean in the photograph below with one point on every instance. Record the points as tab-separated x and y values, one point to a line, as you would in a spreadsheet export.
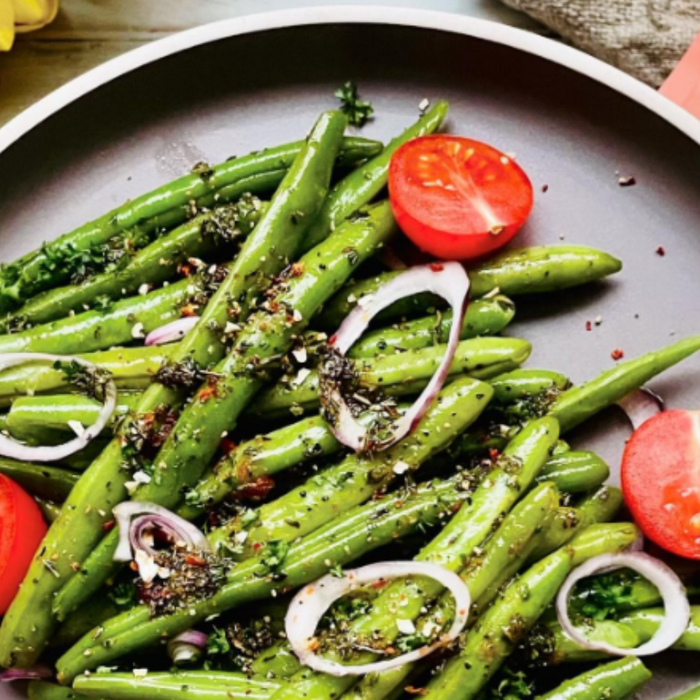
336	544
399	375
40	690
166	206
469	528
614	681
579	403
30	413
366	182
627	631
92	612
524	384
41	480
49	509
692	694
598	506
574	472
486	570
187	685
527	271
357	477
28	624
158	262
129	367
487	645
267	335
484	317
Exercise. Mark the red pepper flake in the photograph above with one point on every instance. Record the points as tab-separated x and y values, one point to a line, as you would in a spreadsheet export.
545	188
617	354
185	269
296	269
194	560
411	690
189	310
109	525
661	251
257	546
257	489
332	339
626	181
494	454
589	326
209	392
436	267
227	446
379	584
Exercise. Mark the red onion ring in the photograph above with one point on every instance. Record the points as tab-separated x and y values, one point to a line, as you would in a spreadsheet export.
25	674
677	608
131	528
187	646
447	280
175	330
9	447
641	405
309	605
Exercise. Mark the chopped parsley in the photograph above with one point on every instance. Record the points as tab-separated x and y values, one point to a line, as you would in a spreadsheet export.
358	111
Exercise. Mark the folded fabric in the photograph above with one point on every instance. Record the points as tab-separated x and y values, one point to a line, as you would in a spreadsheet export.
646	38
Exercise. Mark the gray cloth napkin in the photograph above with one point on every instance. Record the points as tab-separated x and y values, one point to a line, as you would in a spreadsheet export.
643	37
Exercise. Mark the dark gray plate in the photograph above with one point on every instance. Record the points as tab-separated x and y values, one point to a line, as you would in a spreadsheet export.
227	95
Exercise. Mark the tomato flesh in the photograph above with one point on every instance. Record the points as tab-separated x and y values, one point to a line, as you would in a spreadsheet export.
457	198
661	480
22	528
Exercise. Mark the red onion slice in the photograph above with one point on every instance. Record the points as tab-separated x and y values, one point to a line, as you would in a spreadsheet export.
447	280
641	405
25	674
170	332
310	604
10	447
677	608
131	529
187	647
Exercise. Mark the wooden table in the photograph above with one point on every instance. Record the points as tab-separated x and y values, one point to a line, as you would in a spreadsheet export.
87	33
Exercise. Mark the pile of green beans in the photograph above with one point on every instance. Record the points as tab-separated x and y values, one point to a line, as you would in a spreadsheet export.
484	487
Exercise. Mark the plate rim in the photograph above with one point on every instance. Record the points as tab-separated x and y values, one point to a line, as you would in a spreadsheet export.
488	30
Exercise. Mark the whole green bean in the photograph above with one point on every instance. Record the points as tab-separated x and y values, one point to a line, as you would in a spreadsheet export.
575	472
267	335
468	529
497	560
614	681
129	367
217	231
400	374
487	645
353	480
92	612
50	483
338	543
484	317
167	205
514	272
580	402
524	384
29	622
187	685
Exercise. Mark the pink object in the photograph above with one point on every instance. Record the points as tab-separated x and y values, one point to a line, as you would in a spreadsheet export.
683	85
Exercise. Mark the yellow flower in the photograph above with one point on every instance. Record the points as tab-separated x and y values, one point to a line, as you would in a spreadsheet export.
17	16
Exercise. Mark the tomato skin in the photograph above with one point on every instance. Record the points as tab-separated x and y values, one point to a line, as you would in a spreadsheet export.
661	480
22	528
457	198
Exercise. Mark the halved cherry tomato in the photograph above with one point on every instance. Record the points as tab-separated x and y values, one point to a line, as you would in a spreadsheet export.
457	198
22	528
661	480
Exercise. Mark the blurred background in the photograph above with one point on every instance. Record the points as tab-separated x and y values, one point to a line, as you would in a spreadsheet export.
45	45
